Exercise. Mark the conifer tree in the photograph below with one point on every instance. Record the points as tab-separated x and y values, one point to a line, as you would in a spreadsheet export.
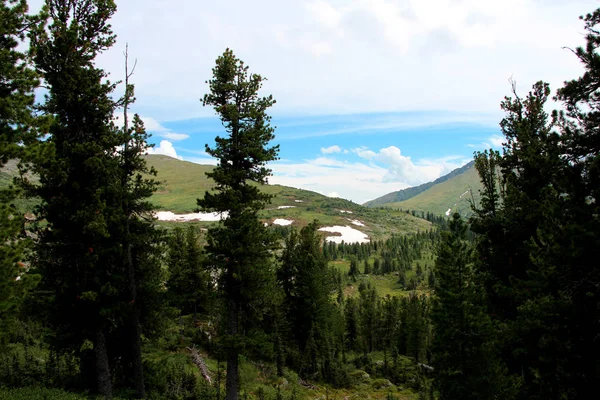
464	360
240	246
308	284
17	82
516	186
79	261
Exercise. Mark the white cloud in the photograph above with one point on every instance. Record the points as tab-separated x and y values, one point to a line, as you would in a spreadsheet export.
496	140
165	148
380	54
364	152
401	168
383	172
174	136
331	149
153	125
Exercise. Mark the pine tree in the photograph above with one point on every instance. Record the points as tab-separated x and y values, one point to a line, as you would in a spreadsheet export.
464	360
240	246
569	236
353	271
17	82
188	282
79	261
519	188
308	284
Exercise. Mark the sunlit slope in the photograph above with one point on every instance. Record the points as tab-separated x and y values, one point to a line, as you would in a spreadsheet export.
454	193
405	194
183	182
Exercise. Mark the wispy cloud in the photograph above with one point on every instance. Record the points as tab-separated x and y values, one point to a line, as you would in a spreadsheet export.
383	171
174	136
331	149
493	142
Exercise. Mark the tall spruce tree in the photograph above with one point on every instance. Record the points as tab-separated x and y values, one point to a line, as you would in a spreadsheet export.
240	247
308	284
519	188
569	234
79	260
464	361
17	82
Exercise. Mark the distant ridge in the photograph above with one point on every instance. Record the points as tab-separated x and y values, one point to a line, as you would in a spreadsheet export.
411	192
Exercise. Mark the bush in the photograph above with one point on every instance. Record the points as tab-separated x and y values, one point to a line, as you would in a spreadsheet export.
381	383
172	375
359	376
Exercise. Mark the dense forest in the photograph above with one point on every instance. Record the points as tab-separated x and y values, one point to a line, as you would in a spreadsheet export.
97	300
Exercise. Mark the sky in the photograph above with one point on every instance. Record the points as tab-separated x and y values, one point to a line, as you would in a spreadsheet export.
373	96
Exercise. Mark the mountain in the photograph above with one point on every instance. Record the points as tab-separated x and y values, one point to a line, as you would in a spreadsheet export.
183	182
410	192
452	191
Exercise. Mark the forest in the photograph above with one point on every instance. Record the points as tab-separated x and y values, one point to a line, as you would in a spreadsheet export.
98	301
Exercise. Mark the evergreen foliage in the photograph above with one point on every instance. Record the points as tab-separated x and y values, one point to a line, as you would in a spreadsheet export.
17	82
240	247
464	361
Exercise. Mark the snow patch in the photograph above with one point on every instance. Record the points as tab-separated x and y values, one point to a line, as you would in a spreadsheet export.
299	201
283	207
461	196
348	234
355	222
282	222
346	212
448	212
170	216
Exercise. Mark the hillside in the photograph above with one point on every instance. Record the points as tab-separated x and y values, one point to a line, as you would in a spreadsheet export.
183	182
411	192
452	191
454	194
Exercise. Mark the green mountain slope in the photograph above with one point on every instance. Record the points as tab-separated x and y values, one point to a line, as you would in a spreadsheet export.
410	192
183	182
453	193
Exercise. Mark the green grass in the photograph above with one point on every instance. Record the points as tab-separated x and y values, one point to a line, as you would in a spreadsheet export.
7	173
384	284
439	198
183	182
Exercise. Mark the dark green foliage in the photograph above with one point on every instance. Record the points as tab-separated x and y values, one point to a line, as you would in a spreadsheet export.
97	253
17	82
314	323
240	246
189	283
464	358
538	231
353	272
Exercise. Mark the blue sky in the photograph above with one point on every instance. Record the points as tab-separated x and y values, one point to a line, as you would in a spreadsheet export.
372	95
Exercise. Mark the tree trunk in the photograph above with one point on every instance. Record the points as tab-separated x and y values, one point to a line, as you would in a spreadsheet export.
232	382
138	366
102	367
136	341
